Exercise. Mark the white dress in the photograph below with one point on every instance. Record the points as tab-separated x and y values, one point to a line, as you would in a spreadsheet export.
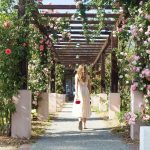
83	109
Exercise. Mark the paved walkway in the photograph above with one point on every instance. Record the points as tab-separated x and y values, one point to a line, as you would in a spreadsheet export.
63	134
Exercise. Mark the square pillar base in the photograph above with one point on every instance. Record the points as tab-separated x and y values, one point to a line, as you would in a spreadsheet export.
21	119
114	104
43	107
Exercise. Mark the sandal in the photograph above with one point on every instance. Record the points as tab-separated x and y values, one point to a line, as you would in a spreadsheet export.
80	125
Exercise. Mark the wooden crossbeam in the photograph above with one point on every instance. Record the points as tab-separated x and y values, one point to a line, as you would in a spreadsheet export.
92	22
70	55
74	57
69	7
78	40
76	60
81	46
81	43
77	50
105	46
71	14
81	36
90	27
90	32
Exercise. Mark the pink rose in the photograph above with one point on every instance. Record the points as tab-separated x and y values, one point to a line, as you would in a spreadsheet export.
146	117
41	47
137	69
147	33
146	72
148	87
136	57
134	86
40	1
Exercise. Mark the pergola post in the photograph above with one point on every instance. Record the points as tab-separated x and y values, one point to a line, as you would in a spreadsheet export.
114	67
52	88
103	87
21	119
23	62
114	96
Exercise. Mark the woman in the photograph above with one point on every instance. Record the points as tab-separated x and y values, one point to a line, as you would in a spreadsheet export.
82	110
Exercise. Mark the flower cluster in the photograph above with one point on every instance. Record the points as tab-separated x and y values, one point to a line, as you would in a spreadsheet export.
130	118
79	4
66	36
140	66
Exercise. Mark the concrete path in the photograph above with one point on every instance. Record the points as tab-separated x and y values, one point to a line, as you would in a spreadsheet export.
63	134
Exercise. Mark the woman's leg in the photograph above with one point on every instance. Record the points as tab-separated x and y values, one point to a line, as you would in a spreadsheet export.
80	123
84	121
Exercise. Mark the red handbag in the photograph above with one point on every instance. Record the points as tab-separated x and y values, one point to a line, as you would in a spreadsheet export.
77	101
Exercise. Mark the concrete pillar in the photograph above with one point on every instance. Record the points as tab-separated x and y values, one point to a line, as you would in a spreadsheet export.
64	98
95	100
144	138
60	99
21	119
114	104
52	103
43	107
103	105
137	98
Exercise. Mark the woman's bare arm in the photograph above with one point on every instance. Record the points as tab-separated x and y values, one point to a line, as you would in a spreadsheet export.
89	84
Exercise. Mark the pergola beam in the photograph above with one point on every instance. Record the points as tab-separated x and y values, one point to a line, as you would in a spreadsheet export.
79	49
81	43
91	27
71	14
92	22
78	40
68	7
81	33
81	36
105	46
81	46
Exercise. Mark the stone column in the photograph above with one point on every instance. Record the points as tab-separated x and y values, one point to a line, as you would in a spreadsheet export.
144	138
43	107
114	104
95	100
137	98
103	105
21	119
52	103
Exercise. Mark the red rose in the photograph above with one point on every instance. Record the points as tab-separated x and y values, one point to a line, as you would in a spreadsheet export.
40	1
8	51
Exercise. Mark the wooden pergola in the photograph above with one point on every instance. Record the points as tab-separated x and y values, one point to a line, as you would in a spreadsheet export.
88	53
95	52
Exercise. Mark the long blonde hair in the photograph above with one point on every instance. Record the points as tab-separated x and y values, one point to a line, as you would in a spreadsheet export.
82	73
